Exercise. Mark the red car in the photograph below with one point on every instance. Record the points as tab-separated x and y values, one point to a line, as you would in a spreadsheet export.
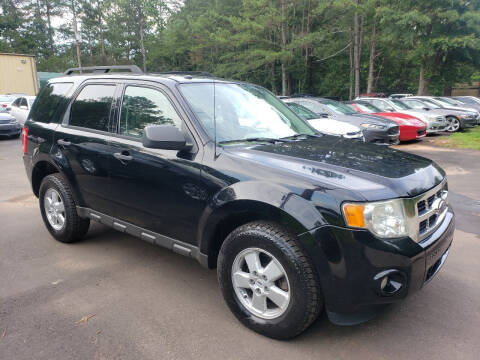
411	128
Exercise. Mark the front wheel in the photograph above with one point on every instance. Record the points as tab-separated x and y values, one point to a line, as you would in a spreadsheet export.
267	281
453	124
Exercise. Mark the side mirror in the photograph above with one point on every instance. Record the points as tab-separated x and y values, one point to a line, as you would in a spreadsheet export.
323	115
167	137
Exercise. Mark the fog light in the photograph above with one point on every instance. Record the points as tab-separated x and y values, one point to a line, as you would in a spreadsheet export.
384	282
390	282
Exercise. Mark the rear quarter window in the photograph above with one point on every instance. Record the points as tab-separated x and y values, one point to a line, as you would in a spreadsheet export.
51	102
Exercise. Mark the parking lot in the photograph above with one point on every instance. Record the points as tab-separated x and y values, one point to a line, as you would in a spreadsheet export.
112	296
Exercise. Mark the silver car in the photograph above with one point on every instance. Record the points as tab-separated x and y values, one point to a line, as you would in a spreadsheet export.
457	118
435	121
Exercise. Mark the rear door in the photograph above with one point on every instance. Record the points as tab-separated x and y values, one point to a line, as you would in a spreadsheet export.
158	190
82	143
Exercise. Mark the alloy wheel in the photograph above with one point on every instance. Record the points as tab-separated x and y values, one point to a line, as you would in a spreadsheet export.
261	283
453	124
54	209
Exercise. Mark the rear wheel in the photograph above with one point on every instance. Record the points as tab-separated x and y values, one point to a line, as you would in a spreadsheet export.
267	281
59	210
453	124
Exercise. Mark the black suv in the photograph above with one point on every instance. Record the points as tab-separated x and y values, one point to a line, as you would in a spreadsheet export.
225	173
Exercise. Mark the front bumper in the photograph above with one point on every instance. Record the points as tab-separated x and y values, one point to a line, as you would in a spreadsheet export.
436	126
10	129
352	263
381	137
408	133
470	122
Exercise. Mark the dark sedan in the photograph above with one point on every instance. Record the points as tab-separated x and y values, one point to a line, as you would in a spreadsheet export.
9	126
376	129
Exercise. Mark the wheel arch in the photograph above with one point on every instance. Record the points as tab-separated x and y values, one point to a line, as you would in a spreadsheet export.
244	202
46	166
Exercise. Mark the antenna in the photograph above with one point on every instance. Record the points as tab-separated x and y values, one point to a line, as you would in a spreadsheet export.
214	121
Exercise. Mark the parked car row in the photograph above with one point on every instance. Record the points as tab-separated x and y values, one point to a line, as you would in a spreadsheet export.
387	120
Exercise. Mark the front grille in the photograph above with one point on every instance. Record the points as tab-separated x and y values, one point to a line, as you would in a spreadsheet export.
4	121
428	215
394	130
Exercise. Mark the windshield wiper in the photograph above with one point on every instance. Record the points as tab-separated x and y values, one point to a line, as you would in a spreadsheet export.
255	139
301	136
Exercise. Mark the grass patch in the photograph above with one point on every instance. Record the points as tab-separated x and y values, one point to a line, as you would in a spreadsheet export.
468	139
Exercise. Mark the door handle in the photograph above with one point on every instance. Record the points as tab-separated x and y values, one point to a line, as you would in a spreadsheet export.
63	142
123	156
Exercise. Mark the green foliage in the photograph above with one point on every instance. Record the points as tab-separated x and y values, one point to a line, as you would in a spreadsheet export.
300	46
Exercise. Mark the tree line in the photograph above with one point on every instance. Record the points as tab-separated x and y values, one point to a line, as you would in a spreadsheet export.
327	47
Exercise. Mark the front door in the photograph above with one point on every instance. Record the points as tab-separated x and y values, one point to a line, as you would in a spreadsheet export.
158	190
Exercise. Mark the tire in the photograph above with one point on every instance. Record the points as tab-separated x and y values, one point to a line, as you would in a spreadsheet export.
301	282
74	227
454	124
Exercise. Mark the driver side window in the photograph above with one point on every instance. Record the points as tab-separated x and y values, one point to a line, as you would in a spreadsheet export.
144	106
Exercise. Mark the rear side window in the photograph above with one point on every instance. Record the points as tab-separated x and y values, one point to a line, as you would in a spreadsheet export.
91	108
143	106
51	103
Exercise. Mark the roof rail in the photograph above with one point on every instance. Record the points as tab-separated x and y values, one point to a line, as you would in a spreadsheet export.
105	69
201	73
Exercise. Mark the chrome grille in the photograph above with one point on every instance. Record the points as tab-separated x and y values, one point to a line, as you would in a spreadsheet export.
429	209
4	121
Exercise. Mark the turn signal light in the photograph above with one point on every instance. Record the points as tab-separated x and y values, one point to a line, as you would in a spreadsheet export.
24	139
354	215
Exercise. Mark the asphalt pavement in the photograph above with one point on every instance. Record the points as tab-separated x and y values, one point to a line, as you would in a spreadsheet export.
112	296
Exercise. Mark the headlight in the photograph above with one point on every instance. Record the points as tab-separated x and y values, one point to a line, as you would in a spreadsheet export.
385	219
372	126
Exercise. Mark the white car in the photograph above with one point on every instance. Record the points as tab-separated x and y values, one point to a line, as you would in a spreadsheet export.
327	125
21	108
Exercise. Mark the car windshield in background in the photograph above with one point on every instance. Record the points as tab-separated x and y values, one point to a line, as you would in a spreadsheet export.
242	112
432	104
416	104
303	111
6	98
338	107
368	108
447	101
400	104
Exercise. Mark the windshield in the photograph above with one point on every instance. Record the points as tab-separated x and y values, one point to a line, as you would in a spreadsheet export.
6	98
302	111
368	108
338	107
447	101
400	104
431	104
416	104
241	112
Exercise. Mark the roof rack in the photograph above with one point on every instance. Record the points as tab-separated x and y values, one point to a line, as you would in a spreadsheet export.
105	69
201	73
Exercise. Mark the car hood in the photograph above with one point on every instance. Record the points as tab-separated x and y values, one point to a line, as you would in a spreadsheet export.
332	126
359	119
366	170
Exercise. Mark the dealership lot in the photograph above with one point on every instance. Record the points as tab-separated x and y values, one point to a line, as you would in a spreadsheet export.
116	297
